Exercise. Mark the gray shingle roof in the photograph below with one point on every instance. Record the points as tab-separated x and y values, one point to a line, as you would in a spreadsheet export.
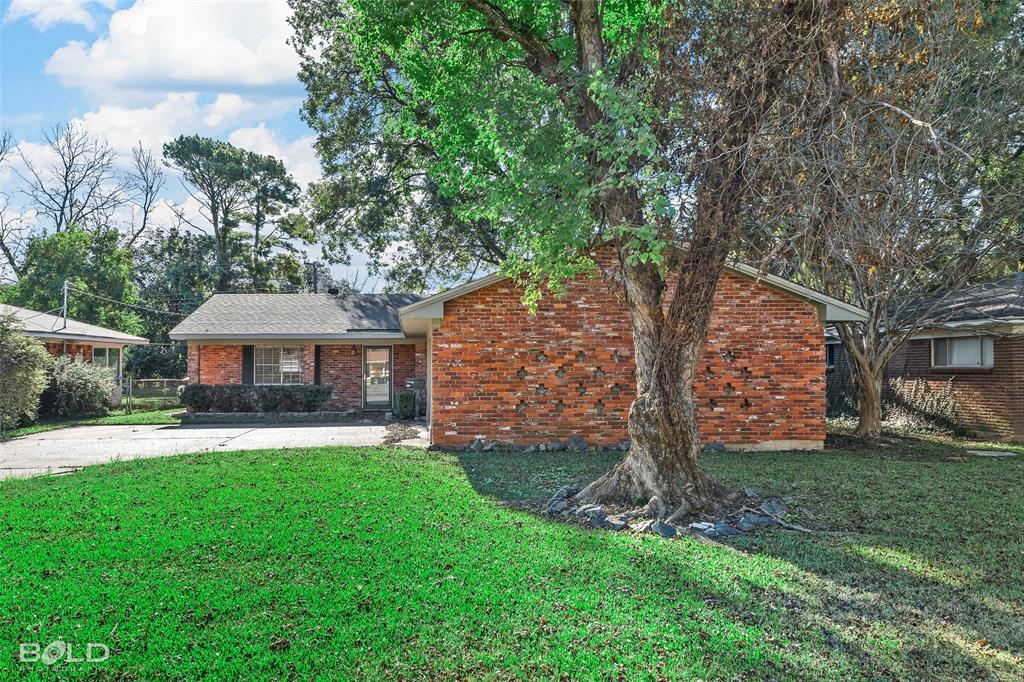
49	326
995	301
294	315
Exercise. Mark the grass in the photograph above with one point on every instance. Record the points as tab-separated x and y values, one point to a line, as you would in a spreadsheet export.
118	417
388	563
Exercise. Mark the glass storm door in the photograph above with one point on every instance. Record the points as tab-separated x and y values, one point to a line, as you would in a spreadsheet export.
377	376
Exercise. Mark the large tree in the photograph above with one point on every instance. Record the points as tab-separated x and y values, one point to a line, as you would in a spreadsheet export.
563	126
213	173
270	199
79	185
908	178
99	272
175	271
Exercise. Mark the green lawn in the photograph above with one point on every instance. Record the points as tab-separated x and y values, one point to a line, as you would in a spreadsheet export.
389	564
118	417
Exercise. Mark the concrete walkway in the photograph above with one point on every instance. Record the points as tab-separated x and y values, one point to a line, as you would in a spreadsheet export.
66	450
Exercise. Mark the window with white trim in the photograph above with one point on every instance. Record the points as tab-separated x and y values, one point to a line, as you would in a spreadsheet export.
109	358
962	351
277	364
830	355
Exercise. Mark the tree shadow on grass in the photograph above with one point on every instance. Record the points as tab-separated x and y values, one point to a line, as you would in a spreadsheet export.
901	604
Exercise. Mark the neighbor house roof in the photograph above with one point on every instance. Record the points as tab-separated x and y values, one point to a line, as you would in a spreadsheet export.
829	309
296	316
47	326
997	302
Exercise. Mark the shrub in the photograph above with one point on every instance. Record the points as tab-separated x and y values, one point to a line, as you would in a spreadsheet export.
77	389
23	365
914	405
405	404
246	398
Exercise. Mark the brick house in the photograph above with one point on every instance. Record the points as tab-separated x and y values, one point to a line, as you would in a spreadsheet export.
494	372
64	336
975	349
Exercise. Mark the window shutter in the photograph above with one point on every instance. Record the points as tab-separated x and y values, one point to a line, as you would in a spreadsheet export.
247	365
316	365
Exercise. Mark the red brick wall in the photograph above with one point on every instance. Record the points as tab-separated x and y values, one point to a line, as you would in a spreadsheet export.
502	374
73	349
990	401
214	364
340	367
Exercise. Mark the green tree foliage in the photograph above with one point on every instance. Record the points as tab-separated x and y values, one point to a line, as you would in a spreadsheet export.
214	175
376	195
270	193
23	365
93	262
176	271
249	202
561	126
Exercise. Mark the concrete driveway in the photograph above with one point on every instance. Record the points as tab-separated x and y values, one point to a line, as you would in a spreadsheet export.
66	450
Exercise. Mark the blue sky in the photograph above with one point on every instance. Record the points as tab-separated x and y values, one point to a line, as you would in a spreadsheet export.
148	70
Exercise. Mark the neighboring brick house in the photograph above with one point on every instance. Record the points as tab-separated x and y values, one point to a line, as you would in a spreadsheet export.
64	336
495	372
976	350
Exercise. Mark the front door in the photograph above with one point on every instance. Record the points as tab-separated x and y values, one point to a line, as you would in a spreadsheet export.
377	376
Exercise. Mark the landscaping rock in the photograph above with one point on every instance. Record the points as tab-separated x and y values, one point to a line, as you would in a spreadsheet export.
992	453
717	446
530	448
701	527
721	530
577	443
752	492
642	526
557	506
554	446
751	522
477	445
617	522
665	530
773	506
565	492
591	511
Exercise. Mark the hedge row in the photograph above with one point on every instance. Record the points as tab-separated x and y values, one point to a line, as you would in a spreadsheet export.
245	398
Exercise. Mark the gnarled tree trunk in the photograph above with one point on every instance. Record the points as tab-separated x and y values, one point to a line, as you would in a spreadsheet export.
664	456
869	403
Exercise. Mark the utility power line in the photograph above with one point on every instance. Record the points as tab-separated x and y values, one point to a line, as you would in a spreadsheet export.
128	305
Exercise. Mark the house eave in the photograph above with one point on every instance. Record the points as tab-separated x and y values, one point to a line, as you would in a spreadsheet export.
829	309
214	338
87	338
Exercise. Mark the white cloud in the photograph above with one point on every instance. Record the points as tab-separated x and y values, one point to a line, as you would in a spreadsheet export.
218	45
45	14
227	107
298	155
125	127
179	113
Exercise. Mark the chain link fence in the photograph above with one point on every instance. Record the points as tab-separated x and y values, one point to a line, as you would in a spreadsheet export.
142	395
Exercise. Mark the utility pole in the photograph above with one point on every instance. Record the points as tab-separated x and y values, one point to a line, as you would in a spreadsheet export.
64	306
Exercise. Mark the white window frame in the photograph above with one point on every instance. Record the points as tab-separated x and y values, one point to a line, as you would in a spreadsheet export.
986	352
106	358
274	366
